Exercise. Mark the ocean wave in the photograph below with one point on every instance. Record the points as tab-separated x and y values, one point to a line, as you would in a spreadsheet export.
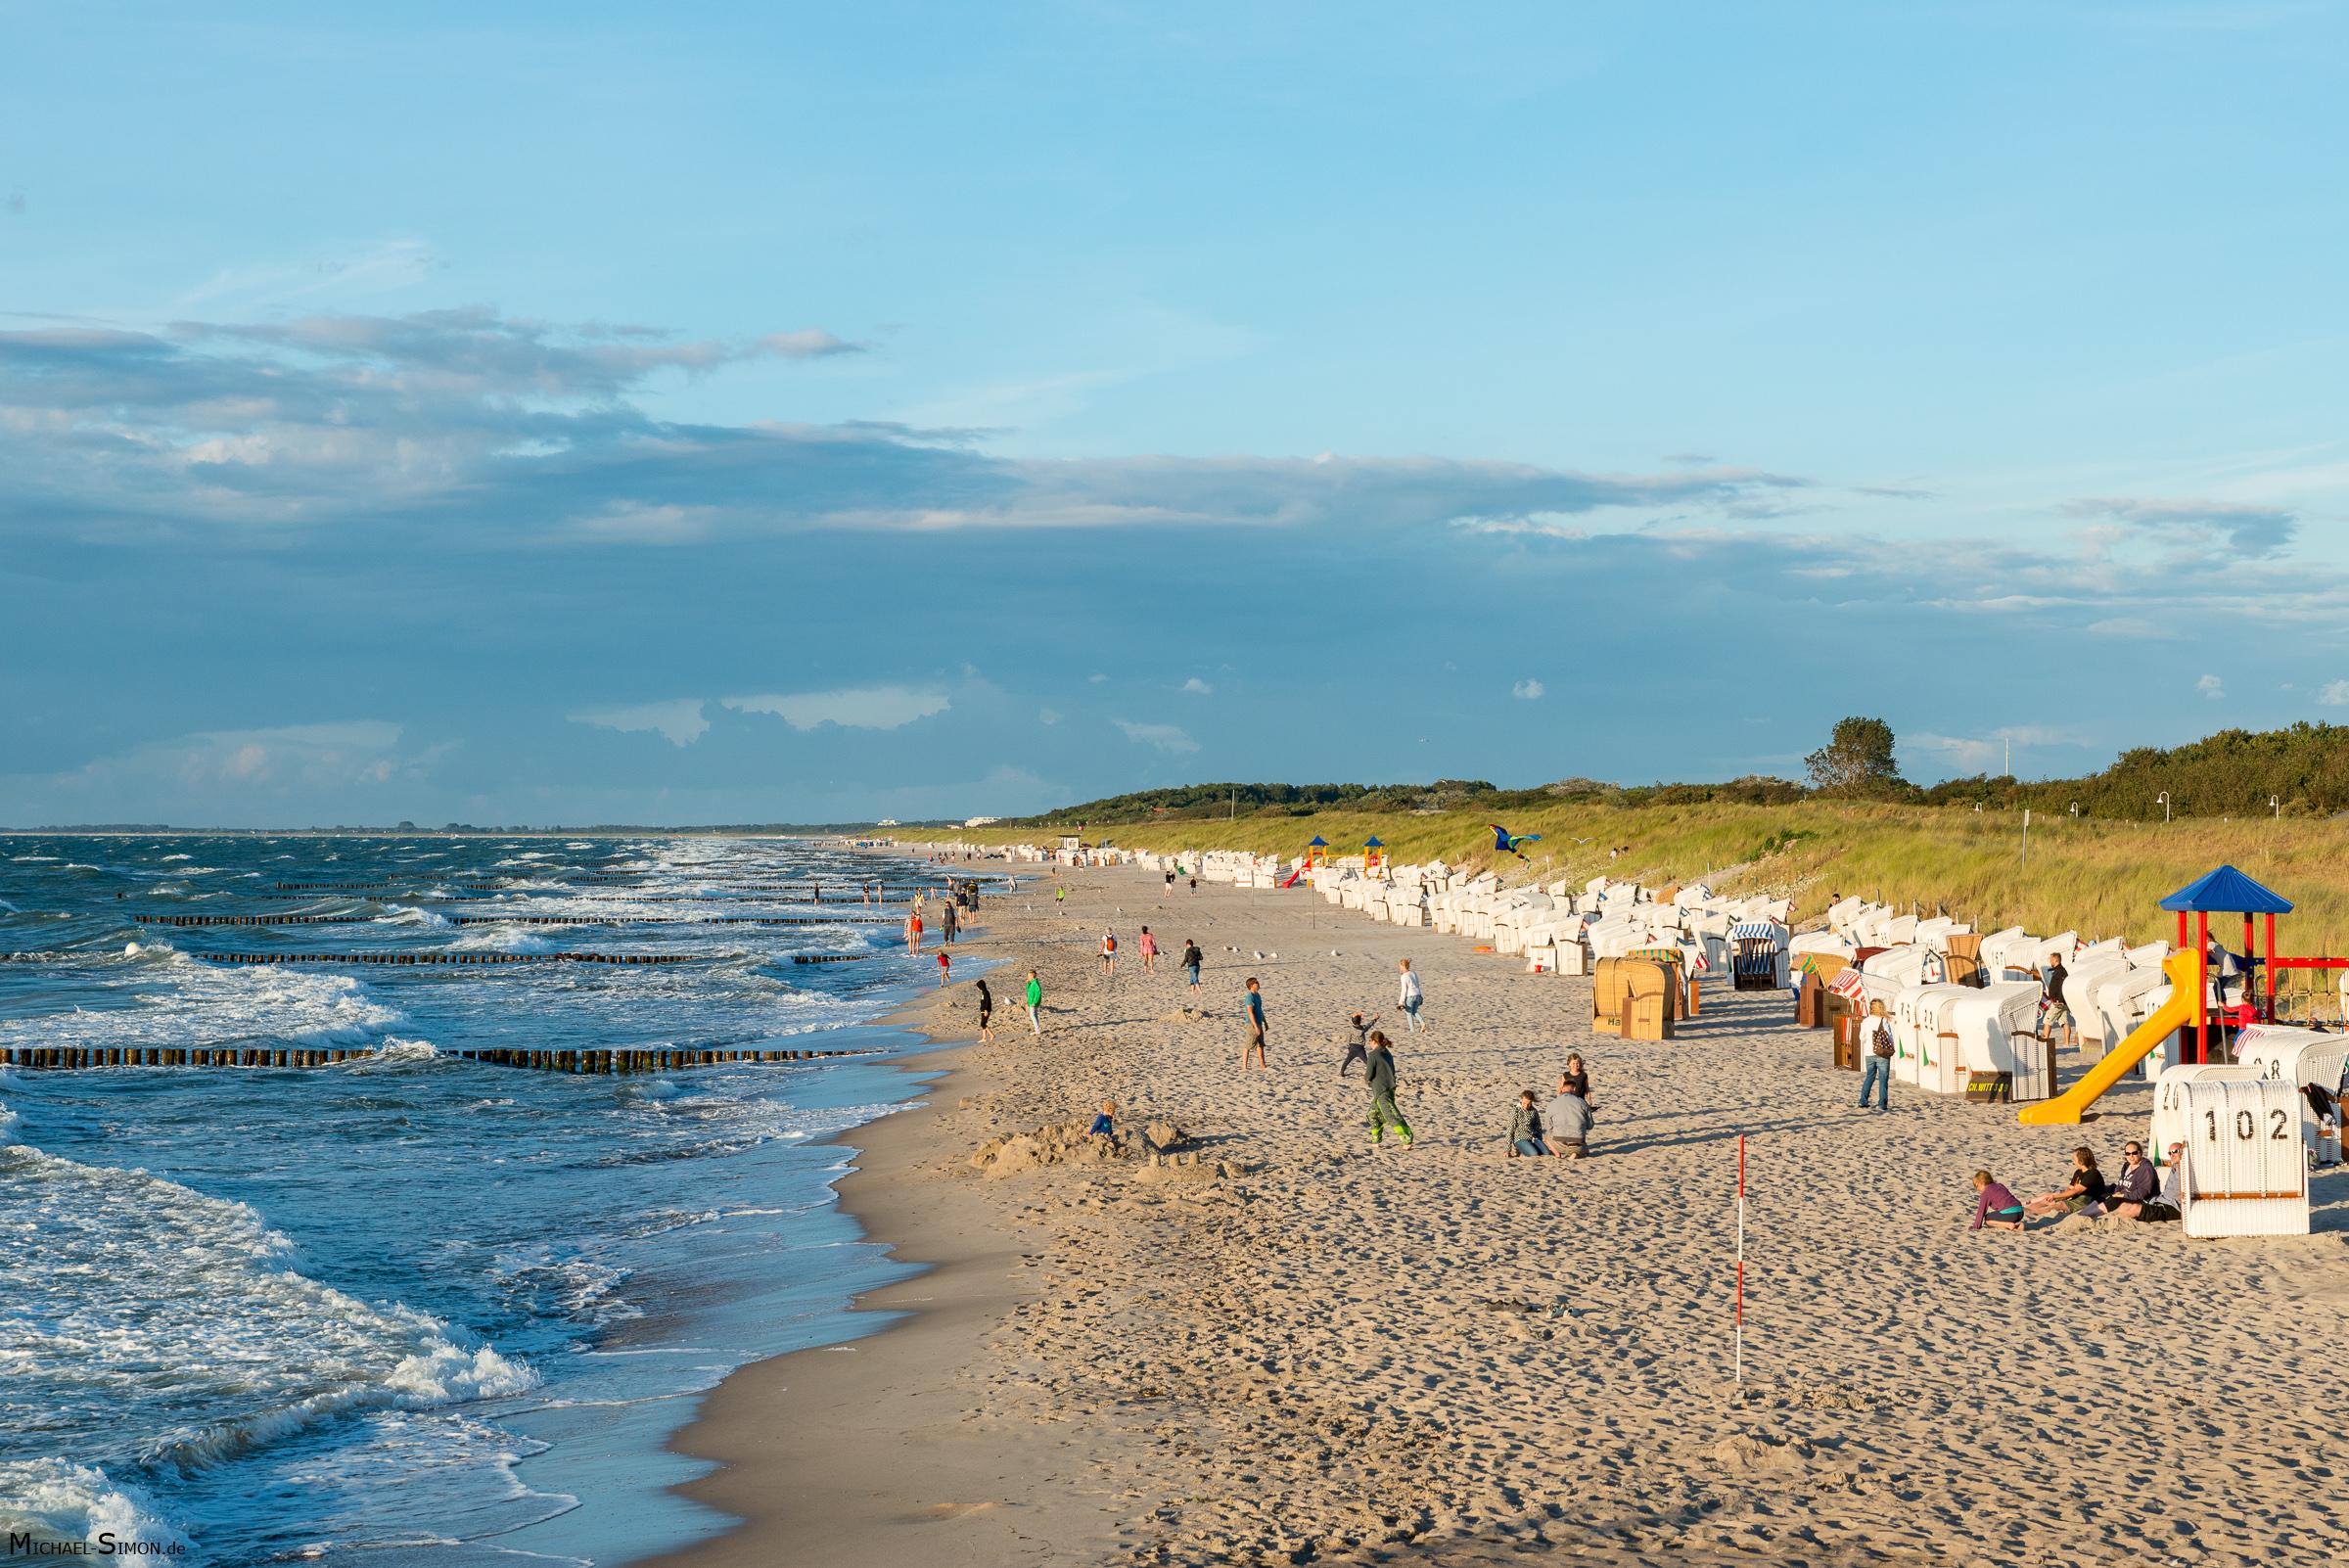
59	1504
207	1007
499	939
411	915
250	1347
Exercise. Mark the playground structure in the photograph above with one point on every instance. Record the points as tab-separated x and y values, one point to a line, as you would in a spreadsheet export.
2197	1021
1374	855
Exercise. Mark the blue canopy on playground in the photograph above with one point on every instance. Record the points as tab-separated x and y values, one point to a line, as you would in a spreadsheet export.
2225	891
1373	843
1317	841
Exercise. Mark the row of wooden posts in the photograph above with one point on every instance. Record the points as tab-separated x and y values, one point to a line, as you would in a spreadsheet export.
662	1059
405	960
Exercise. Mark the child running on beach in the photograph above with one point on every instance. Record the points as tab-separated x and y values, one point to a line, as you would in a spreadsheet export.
945	966
1379	1071
1357	1049
1256	1028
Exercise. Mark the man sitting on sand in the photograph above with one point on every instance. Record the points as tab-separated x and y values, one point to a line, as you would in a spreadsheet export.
2171	1201
1525	1128
1566	1124
1995	1206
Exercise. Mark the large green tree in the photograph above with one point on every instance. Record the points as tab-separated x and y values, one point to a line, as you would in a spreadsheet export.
1856	761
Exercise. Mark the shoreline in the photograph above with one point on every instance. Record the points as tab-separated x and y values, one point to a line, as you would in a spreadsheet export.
795	1436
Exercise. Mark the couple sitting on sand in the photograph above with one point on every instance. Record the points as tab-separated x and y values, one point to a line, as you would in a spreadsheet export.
2137	1194
1562	1126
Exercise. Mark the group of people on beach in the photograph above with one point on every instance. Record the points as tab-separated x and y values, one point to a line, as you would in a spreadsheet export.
1560	1127
2135	1192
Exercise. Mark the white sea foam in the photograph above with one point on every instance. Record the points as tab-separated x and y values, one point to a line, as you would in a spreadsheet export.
57	1502
499	939
209	1006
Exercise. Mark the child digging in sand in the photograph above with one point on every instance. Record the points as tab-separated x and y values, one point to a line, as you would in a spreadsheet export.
1105	1125
1995	1206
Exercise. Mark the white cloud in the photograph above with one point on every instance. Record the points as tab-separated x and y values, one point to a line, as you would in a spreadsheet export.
1977	754
1528	691
1197	687
1165	737
2212	687
1048	715
249	764
2336	694
858	708
2123	626
1096	679
680	721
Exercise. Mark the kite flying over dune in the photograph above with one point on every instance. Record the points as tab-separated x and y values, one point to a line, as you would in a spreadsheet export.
1506	842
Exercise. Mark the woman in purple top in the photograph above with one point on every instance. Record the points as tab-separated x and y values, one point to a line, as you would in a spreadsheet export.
1995	1207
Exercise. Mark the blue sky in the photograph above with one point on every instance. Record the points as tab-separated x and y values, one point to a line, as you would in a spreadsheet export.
536	414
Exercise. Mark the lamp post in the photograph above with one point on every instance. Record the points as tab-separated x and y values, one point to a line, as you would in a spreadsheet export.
2164	799
2075	811
2278	805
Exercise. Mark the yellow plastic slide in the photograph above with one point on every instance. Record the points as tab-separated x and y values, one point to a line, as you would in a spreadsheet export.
2171	1016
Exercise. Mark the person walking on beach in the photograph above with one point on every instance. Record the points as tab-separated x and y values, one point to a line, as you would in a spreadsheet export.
1256	1028
913	933
1149	946
1357	1049
1109	957
1060	896
1036	1005
948	919
1407	994
987	1013
1876	1064
1194	886
1379	1071
946	965
1169	884
1192	957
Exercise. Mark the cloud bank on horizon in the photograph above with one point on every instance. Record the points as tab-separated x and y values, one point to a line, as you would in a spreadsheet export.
822	526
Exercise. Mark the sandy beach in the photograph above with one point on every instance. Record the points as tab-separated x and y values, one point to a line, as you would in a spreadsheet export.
1288	1345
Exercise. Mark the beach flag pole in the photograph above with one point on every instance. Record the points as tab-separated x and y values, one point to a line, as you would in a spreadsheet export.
1739	1373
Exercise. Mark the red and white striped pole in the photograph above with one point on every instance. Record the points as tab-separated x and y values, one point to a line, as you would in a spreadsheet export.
1739	1375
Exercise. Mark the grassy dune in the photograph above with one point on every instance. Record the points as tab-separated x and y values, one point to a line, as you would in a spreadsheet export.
2101	878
